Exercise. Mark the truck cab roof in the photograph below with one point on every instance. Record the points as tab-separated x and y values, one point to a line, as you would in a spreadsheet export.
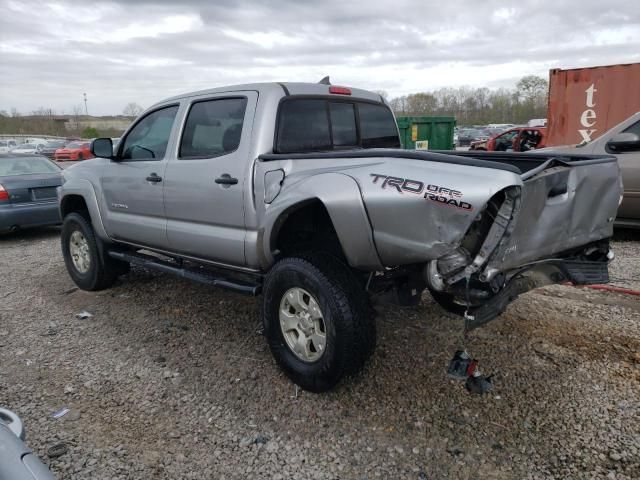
283	89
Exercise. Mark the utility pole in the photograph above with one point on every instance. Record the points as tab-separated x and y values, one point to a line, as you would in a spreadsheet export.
86	110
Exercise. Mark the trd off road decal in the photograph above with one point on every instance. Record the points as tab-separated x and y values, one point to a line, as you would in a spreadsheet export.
434	193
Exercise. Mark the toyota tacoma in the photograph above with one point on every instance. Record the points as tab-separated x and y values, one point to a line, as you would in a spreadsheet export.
301	192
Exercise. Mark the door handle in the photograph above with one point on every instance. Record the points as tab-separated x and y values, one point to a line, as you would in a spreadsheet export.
226	179
154	177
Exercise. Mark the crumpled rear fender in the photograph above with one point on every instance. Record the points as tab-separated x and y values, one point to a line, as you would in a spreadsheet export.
420	211
340	194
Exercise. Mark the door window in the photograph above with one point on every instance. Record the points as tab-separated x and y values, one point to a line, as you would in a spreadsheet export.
149	138
213	128
505	141
635	128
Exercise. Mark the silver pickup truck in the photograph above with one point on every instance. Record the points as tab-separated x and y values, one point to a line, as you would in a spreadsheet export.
301	192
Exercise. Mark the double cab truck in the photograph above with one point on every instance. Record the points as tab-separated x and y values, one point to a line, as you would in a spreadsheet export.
301	192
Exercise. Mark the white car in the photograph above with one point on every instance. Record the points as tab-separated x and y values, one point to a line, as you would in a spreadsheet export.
6	145
27	148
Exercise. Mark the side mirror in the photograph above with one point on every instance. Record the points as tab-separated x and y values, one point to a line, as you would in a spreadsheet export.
102	147
623	142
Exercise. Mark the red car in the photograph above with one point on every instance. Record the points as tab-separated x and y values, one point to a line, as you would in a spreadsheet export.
73	151
519	139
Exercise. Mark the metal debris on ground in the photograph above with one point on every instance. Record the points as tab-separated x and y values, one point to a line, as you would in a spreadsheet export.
479	383
61	413
83	315
57	450
462	365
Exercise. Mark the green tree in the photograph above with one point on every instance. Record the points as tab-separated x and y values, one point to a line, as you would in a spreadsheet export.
531	87
90	132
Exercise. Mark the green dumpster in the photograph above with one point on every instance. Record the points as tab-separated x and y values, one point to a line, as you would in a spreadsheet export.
421	133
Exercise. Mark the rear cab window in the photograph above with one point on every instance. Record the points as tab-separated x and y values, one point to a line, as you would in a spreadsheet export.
327	123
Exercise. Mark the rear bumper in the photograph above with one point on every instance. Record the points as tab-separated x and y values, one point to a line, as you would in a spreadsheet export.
575	271
29	215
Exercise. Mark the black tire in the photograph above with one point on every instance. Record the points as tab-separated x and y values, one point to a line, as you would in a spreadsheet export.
102	271
348	318
80	157
447	302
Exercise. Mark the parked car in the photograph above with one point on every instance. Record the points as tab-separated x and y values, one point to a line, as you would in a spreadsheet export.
469	135
622	141
49	149
28	192
519	139
27	148
74	151
537	122
302	192
17	461
6	145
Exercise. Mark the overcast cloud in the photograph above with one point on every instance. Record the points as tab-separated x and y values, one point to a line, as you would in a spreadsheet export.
143	51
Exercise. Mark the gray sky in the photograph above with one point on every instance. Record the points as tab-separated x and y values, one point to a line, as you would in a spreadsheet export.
143	51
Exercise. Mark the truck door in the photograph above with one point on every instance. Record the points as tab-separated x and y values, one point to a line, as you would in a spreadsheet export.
207	176
132	183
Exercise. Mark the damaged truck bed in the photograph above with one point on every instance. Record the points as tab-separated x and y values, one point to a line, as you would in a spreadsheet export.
480	228
301	192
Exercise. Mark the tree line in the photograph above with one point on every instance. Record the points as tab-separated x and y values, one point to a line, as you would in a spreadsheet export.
479	106
45	121
468	105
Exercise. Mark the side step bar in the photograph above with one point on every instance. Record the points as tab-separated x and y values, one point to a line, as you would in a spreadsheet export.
195	274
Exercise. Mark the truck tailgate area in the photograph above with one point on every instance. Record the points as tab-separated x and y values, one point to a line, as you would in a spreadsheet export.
563	205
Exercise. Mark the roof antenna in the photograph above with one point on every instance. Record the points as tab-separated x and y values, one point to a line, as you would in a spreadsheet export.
325	81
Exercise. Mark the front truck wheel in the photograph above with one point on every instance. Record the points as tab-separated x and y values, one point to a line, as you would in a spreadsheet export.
88	268
317	319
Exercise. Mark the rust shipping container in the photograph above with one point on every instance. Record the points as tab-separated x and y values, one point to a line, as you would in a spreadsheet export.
586	102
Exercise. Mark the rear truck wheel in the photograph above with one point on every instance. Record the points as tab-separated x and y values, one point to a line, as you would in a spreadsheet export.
317	320
88	268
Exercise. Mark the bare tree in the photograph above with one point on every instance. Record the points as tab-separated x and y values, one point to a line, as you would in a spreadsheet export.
471	106
132	110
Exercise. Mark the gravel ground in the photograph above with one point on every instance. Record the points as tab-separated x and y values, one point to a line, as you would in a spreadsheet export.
169	379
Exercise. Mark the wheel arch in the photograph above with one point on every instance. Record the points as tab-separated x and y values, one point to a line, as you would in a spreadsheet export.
78	195
338	197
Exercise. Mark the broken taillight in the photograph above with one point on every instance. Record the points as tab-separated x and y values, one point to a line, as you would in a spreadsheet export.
4	195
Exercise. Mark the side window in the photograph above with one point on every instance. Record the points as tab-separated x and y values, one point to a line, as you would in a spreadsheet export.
213	128
303	126
377	127
635	128
149	138
343	124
